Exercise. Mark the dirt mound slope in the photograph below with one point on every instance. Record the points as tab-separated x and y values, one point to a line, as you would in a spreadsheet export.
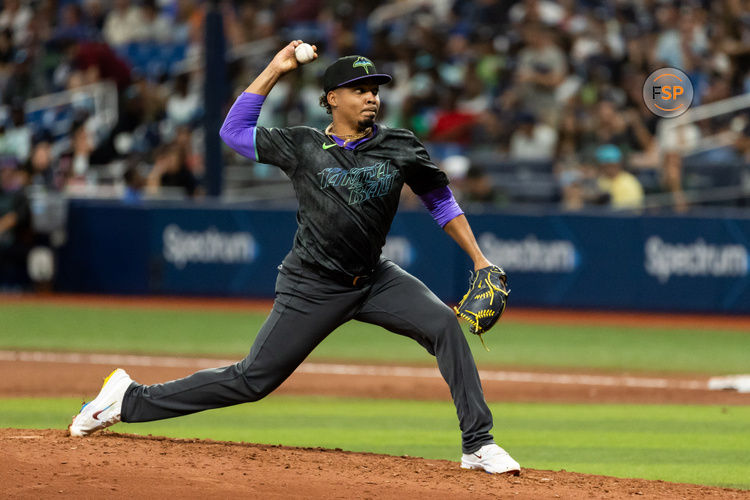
44	463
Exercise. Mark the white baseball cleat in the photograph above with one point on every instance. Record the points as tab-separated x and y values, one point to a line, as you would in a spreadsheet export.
491	459
105	409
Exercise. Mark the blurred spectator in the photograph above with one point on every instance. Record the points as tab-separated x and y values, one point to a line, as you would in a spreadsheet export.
134	185
93	62
196	16
153	99
183	12
621	188
16	17
171	170
478	188
25	80
123	23
623	128
742	143
541	69
96	13
544	11
681	40
673	143
16	234
672	179
451	123
183	104
155	27
73	25
571	179
532	140
184	142
569	141
456	167
6	51
40	169
42	26
15	140
595	41
255	22
74	163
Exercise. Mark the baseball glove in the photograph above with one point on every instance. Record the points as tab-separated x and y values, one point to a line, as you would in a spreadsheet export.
485	301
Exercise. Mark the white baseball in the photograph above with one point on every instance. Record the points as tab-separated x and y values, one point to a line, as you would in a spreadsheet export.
304	53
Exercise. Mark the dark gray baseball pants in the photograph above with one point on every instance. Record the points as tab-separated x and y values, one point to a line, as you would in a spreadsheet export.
307	308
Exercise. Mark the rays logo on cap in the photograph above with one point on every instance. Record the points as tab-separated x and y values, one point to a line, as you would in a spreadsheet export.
363	62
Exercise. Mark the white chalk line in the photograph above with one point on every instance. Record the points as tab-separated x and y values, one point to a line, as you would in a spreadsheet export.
364	370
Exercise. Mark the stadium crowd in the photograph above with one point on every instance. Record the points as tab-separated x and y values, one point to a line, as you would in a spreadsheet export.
540	81
482	82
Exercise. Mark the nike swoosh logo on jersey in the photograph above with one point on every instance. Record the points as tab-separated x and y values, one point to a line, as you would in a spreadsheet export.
95	416
326	146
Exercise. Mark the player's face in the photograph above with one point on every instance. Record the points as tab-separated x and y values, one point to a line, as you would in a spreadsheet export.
357	105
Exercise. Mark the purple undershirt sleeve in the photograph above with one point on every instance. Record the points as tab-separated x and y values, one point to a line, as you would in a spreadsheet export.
441	205
238	130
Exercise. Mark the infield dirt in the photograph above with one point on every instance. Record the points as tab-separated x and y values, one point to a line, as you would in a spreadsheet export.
46	463
50	379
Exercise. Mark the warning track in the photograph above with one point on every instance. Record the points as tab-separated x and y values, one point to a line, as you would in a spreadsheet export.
518	314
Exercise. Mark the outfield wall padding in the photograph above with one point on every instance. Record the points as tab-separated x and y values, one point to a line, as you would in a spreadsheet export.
665	263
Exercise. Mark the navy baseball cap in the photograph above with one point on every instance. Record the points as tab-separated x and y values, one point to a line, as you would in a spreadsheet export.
350	69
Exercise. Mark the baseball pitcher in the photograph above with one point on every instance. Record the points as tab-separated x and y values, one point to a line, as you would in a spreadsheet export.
347	179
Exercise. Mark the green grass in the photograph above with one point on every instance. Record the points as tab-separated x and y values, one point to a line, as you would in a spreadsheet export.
692	444
191	332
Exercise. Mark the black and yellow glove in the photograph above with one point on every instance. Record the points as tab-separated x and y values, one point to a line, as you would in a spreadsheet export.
485	301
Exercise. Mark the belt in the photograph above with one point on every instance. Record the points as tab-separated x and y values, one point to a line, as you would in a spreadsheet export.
357	281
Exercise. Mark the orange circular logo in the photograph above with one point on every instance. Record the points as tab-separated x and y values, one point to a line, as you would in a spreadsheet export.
668	92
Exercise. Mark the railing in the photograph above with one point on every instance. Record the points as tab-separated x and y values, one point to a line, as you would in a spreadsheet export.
725	106
55	112
675	135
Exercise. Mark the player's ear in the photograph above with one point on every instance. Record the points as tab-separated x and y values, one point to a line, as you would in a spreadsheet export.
331	97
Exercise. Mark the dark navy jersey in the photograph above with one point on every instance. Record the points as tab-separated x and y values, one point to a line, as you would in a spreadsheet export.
347	198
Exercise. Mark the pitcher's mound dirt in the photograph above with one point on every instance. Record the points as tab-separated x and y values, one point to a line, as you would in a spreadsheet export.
48	463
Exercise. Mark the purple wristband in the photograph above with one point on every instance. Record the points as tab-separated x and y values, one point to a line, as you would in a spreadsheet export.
238	130
441	205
